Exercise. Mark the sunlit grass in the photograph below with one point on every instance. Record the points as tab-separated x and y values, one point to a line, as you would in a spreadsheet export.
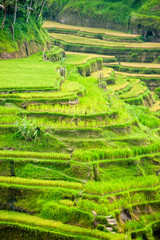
36	221
80	58
31	72
96	42
138	75
51	24
135	91
141	65
56	183
68	88
121	185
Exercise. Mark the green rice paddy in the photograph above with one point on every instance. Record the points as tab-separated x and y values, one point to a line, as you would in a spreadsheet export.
79	153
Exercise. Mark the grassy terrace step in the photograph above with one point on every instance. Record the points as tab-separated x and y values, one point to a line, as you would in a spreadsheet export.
100	191
137	93
141	68
137	88
134	139
122	53
83	40
29	74
54	27
141	76
90	132
121	85
80	131
68	89
25	154
49	224
144	99
40	169
90	66
11	230
126	152
146	232
62	116
105	71
141	65
151	80
81	58
41	183
140	197
25	102
102	188
54	167
77	132
51	24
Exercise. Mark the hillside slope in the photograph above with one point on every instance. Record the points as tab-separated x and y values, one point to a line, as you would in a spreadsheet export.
140	17
21	31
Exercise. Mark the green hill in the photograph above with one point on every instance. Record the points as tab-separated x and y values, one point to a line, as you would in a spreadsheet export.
140	17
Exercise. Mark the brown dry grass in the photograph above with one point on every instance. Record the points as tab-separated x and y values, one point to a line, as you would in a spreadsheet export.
51	24
90	55
156	107
141	65
110	64
139	75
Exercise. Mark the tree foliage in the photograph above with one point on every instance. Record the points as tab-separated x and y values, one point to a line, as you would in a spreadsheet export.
20	10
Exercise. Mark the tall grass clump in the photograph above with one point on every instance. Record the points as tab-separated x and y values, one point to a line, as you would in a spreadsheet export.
27	130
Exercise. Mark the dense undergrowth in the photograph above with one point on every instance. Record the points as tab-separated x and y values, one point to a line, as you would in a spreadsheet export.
118	11
21	24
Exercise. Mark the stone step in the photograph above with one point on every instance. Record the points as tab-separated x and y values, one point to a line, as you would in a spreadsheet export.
110	229
111	221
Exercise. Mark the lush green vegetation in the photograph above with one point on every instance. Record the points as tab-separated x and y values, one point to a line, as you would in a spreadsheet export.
118	11
29	73
83	40
21	24
140	17
80	142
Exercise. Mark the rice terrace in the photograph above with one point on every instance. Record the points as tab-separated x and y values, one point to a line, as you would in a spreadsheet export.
79	119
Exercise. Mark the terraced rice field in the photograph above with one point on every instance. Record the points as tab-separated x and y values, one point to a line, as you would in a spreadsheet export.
79	159
81	58
82	40
139	75
29	72
51	24
141	65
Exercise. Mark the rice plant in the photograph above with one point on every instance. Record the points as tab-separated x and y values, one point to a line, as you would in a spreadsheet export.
27	130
